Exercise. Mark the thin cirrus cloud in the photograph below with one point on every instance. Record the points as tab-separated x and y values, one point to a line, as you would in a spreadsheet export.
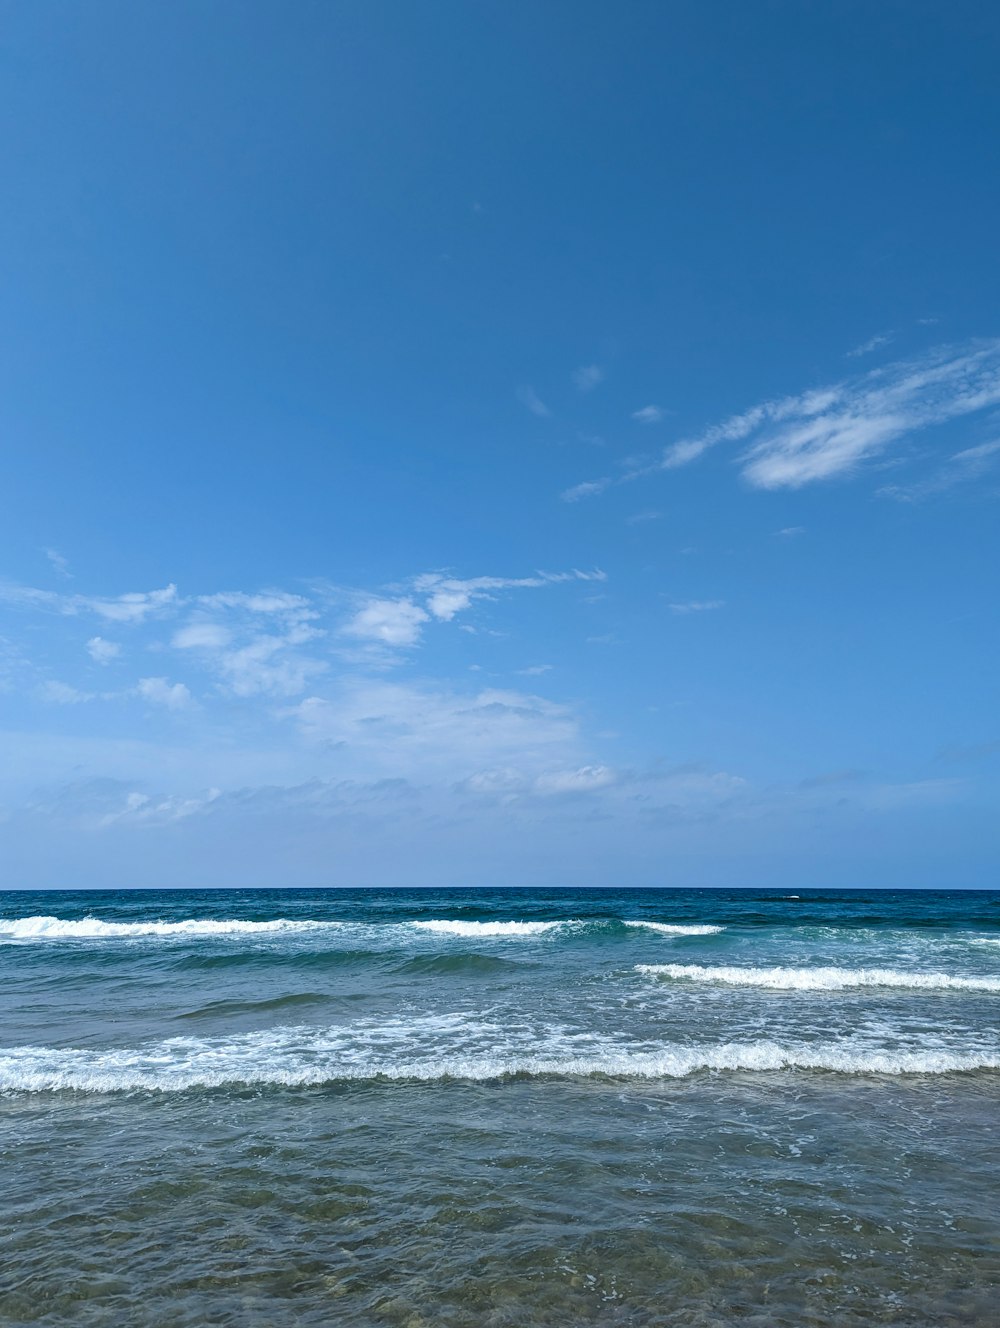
399	621
530	399
872	344
830	432
648	415
133	607
58	563
425	730
964	467
587	489
587	377
696	605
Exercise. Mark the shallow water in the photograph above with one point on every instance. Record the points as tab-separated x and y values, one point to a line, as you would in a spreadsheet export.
500	1107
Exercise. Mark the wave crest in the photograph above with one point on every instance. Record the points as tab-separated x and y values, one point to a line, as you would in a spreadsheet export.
676	928
817	979
299	1058
449	927
45	928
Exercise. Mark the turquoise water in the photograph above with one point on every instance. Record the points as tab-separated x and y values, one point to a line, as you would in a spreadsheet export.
500	1107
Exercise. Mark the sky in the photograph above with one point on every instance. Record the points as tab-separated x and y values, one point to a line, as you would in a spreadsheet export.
483	443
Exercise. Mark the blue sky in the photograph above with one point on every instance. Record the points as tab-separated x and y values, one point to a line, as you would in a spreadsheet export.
500	443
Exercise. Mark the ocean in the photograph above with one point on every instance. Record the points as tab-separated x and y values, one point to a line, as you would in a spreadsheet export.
500	1107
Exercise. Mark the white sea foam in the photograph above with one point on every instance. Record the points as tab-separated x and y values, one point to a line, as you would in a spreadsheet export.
817	979
47	928
44	928
310	1057
446	927
676	929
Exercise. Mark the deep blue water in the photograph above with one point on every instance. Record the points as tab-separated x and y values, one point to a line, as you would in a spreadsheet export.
510	1107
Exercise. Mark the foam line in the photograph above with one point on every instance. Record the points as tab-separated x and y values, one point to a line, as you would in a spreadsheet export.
817	979
297	1057
676	928
446	927
44	928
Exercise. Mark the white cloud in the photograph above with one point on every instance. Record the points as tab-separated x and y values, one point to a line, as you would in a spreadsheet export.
535	670
961	468
586	779
790	532
448	596
264	602
829	432
134	607
60	565
61	693
648	415
588	489
141	809
426	731
202	636
392	622
101	651
175	696
130	608
270	665
529	397
697	606
587	377
640	518
873	343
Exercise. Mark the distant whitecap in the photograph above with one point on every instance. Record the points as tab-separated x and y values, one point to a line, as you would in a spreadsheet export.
817	979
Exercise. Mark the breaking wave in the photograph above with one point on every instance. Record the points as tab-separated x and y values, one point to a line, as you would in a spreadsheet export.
298	1057
447	927
676	929
817	979
44	928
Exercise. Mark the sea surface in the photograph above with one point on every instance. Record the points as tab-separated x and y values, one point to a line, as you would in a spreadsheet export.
504	1107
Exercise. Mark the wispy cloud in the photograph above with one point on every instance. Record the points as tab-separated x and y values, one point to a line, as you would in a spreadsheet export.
447	596
269	643
253	643
588	489
426	730
828	432
964	467
58	563
587	377
271	664
399	621
101	651
696	605
872	344
529	398
159	691
133	607
262	602
62	693
202	636
790	532
585	779
649	415
391	622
